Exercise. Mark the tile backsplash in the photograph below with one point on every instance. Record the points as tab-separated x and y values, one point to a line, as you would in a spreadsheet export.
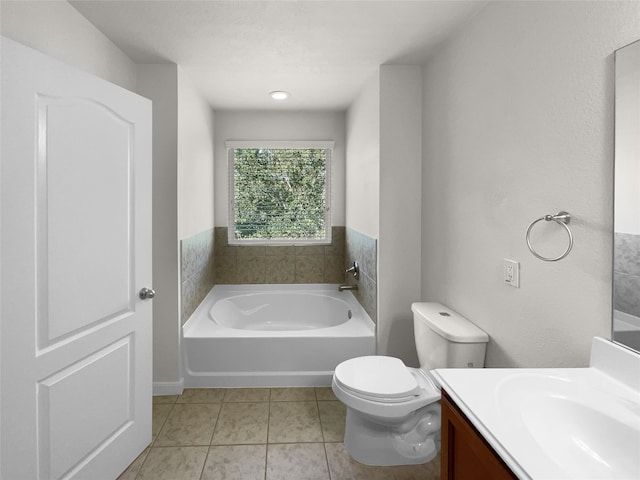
626	273
363	249
196	271
276	264
208	259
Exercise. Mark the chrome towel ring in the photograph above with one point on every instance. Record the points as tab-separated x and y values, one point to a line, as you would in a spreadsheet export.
561	218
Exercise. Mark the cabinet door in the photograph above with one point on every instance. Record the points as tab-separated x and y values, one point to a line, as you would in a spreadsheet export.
465	454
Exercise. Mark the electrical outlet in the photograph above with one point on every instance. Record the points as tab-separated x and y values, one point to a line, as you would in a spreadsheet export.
512	273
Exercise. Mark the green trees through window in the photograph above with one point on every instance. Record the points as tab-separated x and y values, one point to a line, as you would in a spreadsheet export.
280	194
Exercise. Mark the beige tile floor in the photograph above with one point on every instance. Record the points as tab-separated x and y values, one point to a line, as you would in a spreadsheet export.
256	433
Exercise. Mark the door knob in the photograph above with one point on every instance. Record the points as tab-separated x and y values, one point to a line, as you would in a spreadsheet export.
147	293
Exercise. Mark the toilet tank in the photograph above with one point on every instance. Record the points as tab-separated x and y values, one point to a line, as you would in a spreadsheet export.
445	339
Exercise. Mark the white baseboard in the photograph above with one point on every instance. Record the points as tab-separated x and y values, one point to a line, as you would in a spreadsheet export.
168	388
258	379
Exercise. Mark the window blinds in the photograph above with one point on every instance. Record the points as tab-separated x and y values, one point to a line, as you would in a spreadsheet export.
280	193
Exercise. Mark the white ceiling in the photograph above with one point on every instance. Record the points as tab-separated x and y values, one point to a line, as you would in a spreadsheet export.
236	52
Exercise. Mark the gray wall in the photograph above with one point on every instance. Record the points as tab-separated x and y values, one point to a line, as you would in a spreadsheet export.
160	84
58	30
383	200
259	125
518	123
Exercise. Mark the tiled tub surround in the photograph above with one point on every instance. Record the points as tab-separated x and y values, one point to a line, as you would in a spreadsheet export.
196	272
626	273
274	264
363	249
256	434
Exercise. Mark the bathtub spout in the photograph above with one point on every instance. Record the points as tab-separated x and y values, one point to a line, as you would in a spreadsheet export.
342	288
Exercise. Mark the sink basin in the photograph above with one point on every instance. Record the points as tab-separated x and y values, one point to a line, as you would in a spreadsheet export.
586	432
557	423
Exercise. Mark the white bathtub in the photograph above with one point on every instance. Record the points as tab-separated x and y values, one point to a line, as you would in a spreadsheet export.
273	336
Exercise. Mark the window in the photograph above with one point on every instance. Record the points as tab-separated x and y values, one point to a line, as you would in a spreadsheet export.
279	193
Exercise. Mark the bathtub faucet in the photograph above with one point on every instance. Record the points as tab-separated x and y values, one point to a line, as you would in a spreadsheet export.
354	269
342	288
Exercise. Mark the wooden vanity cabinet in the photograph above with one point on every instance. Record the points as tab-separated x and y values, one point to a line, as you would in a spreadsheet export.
466	455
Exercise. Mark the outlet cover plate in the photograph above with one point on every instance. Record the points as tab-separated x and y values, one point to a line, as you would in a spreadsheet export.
511	273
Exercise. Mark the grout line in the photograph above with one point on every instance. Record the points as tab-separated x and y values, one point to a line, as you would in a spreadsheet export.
204	464
326	459
153	443
266	448
215	425
324	442
142	464
268	421
320	420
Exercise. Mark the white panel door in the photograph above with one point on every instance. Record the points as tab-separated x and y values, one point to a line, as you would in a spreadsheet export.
75	337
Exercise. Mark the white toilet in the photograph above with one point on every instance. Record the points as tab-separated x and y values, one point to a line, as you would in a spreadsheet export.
393	411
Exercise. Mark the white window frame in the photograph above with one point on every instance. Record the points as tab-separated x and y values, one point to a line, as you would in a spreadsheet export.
231	145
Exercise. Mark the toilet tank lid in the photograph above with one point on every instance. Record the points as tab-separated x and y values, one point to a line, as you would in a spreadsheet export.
449	324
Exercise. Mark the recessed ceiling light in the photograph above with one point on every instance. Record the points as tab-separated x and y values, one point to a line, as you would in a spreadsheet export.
279	95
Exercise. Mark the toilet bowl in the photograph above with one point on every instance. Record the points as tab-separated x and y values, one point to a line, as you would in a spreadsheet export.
393	411
393	414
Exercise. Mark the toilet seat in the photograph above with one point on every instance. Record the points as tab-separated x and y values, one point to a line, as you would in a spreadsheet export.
402	397
377	378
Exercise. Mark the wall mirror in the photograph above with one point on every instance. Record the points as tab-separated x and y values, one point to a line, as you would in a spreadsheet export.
626	229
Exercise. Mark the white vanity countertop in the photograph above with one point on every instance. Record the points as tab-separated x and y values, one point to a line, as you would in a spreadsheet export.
558	423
